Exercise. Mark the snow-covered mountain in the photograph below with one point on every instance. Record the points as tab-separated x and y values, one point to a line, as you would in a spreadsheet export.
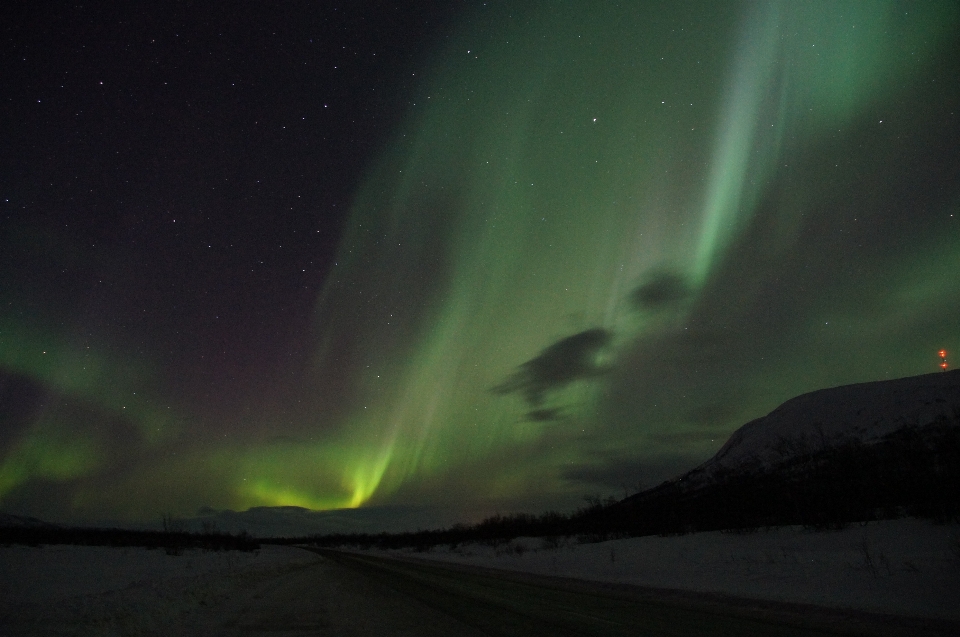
814	422
825	460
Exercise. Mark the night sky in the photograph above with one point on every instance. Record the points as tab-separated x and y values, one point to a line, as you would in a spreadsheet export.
466	256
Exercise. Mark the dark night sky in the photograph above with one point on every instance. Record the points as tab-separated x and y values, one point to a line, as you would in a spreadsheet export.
474	255
176	177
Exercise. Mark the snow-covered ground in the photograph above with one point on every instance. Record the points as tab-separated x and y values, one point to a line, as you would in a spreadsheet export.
902	567
88	590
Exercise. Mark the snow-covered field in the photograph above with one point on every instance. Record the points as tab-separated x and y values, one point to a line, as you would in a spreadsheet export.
84	590
902	567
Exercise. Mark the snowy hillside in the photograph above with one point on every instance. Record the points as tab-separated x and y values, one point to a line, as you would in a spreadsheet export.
896	567
98	590
813	422
825	459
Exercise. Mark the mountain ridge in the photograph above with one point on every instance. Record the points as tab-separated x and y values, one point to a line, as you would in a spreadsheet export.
824	459
824	418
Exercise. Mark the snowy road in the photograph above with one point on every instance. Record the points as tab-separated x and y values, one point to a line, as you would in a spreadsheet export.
327	598
287	591
350	594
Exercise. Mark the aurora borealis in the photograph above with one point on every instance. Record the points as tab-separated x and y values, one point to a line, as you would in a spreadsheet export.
544	250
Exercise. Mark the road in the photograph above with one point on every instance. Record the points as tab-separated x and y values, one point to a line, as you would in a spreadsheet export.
357	595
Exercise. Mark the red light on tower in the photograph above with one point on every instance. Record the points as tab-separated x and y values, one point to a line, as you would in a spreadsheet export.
943	359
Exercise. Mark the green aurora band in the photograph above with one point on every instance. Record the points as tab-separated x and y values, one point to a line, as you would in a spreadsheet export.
552	160
558	160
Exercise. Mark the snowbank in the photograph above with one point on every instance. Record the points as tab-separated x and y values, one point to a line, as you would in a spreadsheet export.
902	567
83	590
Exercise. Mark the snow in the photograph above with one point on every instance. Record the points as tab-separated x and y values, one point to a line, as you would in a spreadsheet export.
903	567
126	591
865	412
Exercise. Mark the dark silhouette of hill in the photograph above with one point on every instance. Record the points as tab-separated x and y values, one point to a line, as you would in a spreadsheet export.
8	521
32	532
827	458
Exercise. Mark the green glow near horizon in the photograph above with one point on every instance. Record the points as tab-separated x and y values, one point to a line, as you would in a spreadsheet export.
121	386
48	452
58	446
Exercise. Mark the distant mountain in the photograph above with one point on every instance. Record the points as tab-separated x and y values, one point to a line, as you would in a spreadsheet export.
10	521
292	521
827	458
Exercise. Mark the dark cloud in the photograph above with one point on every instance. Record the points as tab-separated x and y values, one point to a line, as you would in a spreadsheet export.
21	401
543	415
623	474
608	475
28	405
570	359
661	288
718	413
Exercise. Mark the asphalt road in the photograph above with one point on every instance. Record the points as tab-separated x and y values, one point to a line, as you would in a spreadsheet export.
476	601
